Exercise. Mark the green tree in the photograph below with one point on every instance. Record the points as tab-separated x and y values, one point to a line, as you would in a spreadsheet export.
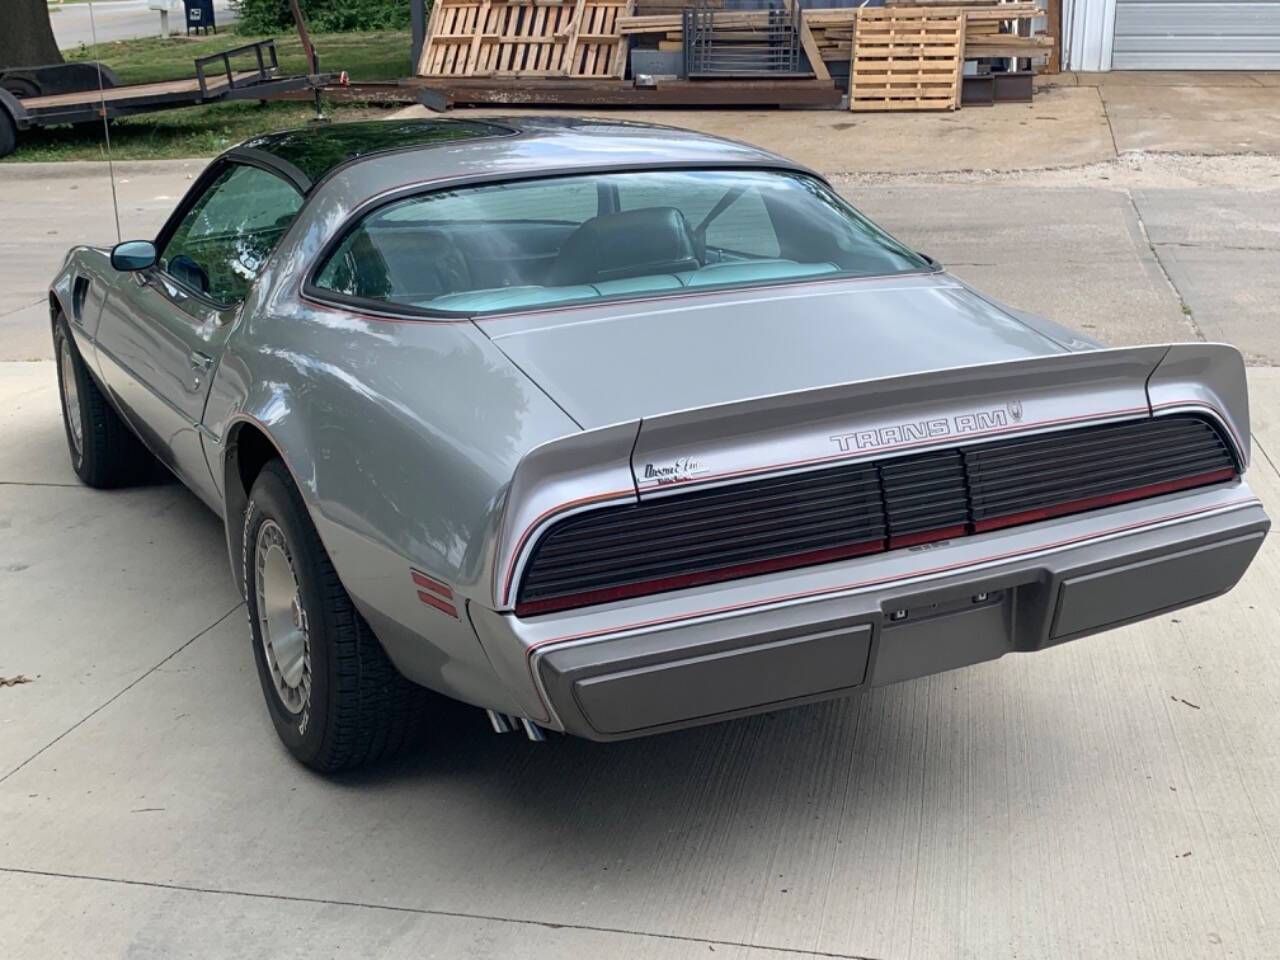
323	16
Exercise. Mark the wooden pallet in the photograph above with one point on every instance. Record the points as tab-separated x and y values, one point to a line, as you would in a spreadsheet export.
832	28
525	38
906	59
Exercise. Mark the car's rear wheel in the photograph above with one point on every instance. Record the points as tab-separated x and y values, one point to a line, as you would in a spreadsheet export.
104	451
335	699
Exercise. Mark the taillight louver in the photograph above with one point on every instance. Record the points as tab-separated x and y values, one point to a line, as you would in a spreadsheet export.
690	537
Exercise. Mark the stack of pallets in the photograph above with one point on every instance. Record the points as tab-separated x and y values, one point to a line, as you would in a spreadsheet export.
833	28
908	55
525	38
669	27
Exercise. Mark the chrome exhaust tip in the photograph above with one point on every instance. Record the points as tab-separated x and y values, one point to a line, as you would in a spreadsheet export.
500	722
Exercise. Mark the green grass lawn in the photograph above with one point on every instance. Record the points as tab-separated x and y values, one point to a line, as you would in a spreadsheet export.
169	134
204	131
380	55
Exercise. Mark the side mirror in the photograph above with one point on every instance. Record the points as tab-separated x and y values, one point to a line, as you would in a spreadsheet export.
133	255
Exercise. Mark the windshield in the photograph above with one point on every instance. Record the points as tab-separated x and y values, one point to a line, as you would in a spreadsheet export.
602	236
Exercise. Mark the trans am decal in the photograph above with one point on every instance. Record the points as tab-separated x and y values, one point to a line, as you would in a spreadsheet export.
914	431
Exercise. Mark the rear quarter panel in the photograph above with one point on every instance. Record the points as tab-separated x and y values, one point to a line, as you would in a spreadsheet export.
402	439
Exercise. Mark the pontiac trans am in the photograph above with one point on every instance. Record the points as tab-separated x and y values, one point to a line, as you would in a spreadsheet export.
612	429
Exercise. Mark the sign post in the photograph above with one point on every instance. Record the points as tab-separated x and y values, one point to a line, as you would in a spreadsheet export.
163	7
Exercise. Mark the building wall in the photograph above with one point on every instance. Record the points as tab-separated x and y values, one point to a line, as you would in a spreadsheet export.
1197	35
1088	28
1171	34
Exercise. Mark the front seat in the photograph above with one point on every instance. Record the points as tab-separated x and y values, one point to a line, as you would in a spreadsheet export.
615	246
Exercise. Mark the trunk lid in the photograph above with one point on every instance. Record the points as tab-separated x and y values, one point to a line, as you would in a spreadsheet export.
647	457
625	361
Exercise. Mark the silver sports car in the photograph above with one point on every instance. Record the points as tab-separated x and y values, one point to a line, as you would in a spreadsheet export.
611	429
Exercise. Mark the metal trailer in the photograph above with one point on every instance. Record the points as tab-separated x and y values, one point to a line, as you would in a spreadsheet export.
217	80
54	78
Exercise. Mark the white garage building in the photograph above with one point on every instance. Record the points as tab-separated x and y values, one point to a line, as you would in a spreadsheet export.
1171	34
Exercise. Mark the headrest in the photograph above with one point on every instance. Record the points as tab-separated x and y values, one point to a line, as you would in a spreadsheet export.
632	244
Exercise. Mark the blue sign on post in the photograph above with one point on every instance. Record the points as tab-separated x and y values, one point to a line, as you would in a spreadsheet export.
200	16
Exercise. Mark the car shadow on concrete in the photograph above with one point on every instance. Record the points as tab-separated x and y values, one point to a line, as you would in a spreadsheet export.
739	785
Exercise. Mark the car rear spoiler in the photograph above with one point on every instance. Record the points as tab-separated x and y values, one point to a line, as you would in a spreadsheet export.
807	429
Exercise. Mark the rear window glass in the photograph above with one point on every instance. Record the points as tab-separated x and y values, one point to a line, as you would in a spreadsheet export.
536	243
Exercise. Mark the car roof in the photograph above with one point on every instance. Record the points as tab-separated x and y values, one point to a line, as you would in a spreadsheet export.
312	154
317	151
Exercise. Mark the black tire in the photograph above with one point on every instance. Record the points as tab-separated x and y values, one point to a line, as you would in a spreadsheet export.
8	133
105	452
349	706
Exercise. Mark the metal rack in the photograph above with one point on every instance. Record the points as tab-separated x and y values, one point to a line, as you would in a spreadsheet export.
740	50
264	53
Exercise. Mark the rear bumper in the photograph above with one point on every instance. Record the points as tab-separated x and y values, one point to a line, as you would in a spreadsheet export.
699	656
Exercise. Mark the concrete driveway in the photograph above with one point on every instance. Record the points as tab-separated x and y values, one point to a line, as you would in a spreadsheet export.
1116	797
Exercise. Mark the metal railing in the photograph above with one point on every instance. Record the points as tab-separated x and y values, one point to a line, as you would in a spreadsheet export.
264	54
768	49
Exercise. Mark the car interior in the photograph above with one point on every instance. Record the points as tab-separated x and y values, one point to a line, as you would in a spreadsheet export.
493	266
481	265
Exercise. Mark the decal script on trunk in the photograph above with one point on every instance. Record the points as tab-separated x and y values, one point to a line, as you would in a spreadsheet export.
913	431
674	472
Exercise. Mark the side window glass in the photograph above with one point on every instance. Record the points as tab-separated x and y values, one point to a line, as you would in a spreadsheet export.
226	236
358	268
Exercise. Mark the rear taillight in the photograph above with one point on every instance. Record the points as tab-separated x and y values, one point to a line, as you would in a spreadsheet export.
697	537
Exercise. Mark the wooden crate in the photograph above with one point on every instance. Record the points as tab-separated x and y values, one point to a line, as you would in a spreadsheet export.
525	38
906	59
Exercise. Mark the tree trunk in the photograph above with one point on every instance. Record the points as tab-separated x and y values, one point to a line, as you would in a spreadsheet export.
26	35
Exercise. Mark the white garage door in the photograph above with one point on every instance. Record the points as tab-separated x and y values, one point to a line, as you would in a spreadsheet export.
1197	35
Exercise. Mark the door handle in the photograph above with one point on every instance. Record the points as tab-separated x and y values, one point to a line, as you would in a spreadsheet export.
201	361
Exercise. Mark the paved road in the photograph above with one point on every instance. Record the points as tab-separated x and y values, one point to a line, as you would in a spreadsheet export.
1115	797
121	20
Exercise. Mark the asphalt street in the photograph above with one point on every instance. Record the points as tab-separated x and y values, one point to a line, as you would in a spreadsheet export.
1115	797
74	24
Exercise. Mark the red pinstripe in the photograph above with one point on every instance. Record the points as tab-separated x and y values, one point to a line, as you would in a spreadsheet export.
559	508
1226	421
